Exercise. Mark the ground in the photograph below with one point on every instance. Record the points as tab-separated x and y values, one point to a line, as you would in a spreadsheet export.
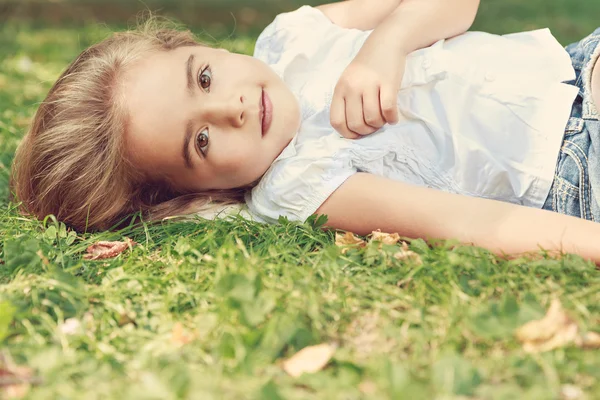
210	310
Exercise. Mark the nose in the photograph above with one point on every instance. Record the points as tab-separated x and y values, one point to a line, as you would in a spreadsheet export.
228	111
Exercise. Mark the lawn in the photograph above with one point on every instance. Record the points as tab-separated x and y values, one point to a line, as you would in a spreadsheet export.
212	309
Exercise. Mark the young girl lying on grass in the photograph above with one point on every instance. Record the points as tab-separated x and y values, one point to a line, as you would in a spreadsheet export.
367	114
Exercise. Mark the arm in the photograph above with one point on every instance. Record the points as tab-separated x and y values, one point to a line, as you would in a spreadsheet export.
359	14
365	97
413	24
367	202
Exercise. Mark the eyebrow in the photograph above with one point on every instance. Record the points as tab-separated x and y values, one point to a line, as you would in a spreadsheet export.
189	65
189	74
186	145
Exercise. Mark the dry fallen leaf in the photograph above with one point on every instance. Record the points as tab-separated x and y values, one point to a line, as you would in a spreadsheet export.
44	259
385	238
15	381
349	240
310	359
367	387
179	336
406	254
555	330
104	249
126	318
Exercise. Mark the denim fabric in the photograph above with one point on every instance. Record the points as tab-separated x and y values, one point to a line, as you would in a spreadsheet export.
575	190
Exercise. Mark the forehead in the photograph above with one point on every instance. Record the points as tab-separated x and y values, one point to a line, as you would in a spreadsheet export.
158	82
154	77
154	89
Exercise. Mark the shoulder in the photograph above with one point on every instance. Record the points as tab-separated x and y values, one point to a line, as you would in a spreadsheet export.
290	28
301	19
296	186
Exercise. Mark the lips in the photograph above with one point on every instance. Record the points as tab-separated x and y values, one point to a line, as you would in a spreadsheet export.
266	112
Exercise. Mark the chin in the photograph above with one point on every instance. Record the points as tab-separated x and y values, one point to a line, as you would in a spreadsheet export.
259	173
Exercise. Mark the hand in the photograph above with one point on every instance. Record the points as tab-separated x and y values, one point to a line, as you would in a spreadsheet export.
365	97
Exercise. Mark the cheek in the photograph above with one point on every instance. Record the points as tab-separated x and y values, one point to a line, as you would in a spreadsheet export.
242	166
236	160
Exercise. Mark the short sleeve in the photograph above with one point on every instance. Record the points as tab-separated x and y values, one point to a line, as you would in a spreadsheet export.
296	187
297	184
292	32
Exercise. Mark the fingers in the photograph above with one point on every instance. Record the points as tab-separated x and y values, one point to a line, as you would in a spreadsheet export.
337	116
358	111
372	114
389	104
355	118
354	115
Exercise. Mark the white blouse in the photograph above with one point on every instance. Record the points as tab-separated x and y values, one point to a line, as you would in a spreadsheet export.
481	115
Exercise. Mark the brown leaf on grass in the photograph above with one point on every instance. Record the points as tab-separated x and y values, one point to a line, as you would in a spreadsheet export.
348	241
385	238
367	387
15	381
555	330
405	254
127	318
104	249
44	259
179	336
310	359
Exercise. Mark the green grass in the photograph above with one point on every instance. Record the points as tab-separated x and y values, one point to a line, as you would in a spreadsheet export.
249	296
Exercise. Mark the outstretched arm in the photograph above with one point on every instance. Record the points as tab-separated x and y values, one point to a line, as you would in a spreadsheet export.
367	202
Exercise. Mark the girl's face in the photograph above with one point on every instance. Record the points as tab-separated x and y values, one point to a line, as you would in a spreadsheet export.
197	113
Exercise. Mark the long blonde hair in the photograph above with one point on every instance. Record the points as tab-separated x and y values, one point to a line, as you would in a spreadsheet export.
72	162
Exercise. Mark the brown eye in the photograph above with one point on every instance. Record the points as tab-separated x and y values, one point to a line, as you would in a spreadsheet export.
205	78
202	141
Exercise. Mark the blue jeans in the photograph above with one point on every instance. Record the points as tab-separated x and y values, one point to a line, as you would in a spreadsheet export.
576	187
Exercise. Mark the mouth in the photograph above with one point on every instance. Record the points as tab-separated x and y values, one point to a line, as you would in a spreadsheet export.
266	112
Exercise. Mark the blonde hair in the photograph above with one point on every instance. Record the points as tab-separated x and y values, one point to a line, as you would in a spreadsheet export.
72	162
